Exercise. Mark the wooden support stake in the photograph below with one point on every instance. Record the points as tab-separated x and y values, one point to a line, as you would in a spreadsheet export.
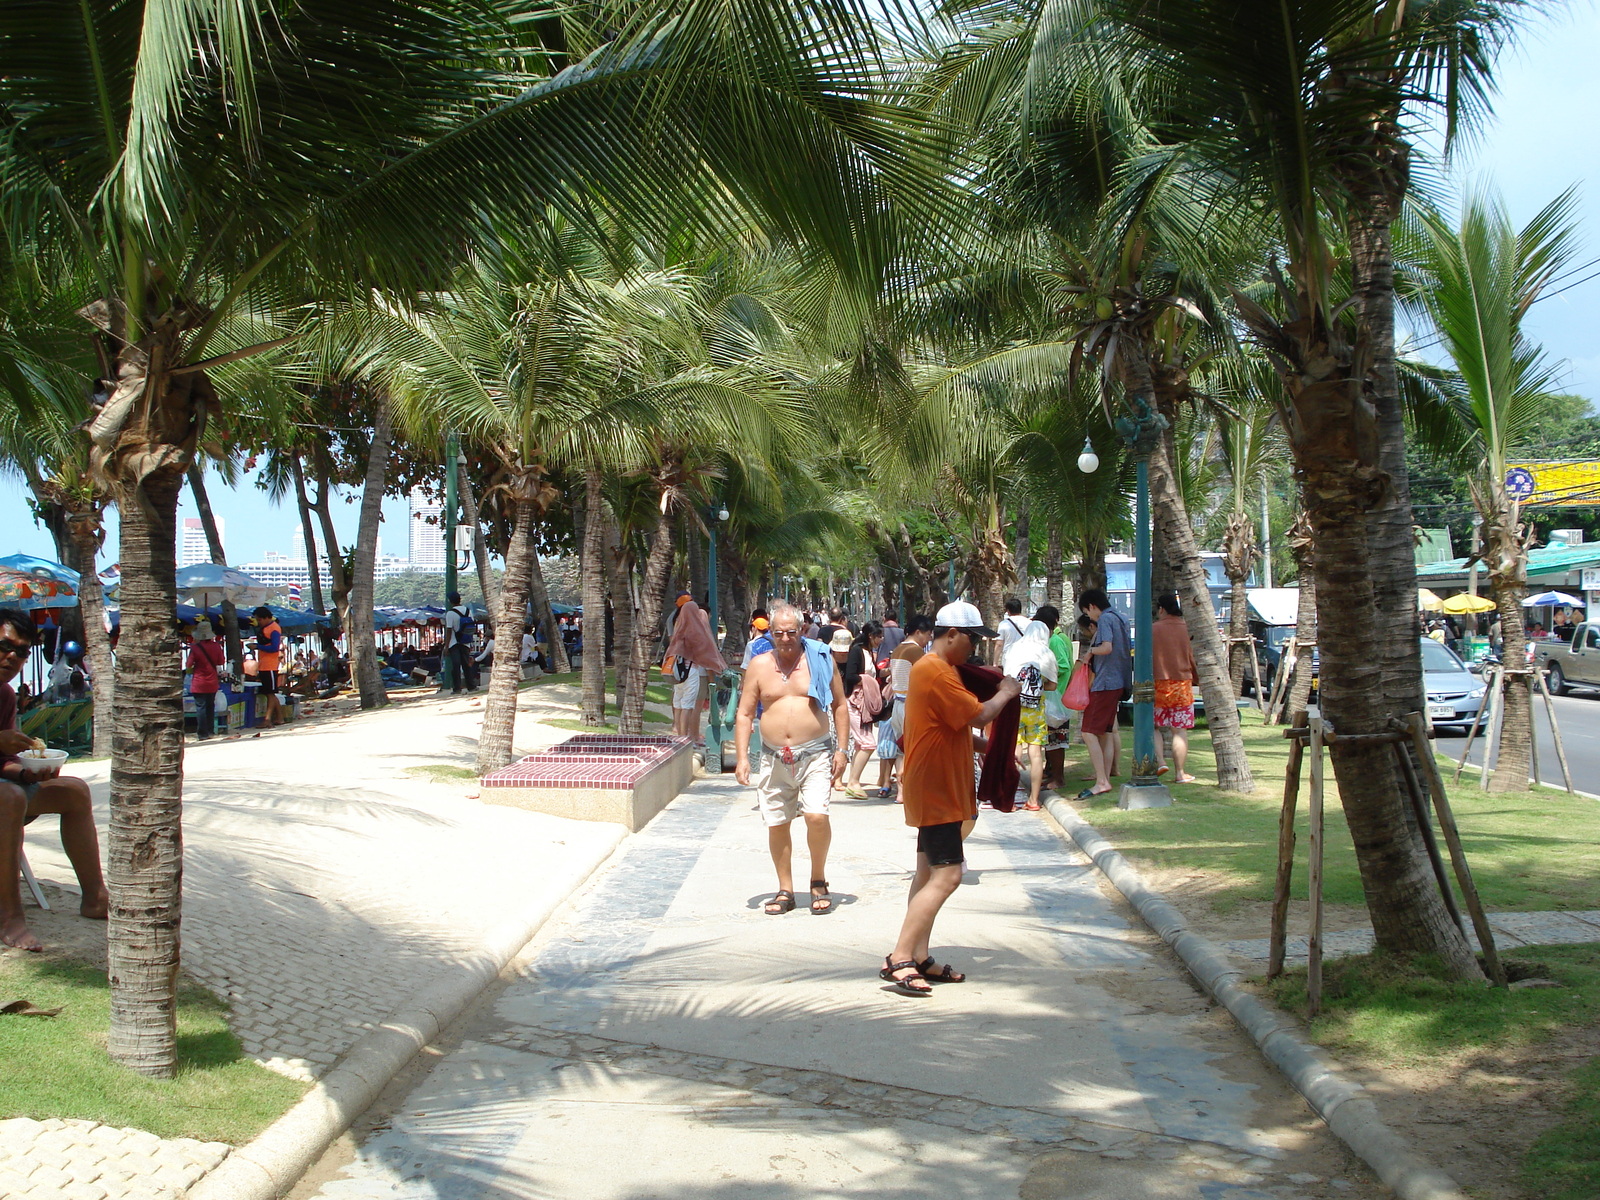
1419	809
1280	890
1458	855
1477	719
1314	877
1286	659
1555	730
1261	696
1492	732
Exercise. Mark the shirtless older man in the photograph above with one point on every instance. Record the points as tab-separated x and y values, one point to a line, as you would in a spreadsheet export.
796	686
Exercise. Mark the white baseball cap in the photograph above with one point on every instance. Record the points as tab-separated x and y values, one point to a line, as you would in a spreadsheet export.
966	617
841	640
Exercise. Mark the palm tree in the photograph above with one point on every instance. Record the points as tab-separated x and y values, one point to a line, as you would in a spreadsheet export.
1474	283
196	157
1280	101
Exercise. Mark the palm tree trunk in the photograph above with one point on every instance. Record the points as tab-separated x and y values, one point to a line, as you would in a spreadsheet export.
733	582
1507	559
1022	556
308	531
337	575
1239	634
1189	574
1055	571
363	645
86	532
208	522
500	706
648	625
1407	912
695	556
539	595
624	612
144	848
594	599
1305	627
480	544
1092	564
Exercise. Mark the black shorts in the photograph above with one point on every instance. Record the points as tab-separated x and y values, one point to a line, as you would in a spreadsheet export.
268	680
941	843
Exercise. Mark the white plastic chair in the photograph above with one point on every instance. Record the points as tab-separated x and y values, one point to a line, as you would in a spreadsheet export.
33	884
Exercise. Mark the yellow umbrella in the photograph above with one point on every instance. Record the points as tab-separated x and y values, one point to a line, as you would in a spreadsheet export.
1428	602
1464	603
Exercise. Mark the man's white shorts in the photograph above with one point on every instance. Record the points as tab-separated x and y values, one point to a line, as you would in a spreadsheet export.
785	790
687	693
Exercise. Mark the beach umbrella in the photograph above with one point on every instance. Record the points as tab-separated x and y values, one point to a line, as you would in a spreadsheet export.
27	591
1464	603
212	583
1428	602
41	566
1549	598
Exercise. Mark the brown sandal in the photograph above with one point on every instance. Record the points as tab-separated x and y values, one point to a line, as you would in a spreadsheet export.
781	903
902	983
824	899
948	975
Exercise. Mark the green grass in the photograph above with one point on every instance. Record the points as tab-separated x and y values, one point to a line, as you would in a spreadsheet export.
1564	1164
1404	1013
440	772
1393	1014
57	1066
1528	851
650	718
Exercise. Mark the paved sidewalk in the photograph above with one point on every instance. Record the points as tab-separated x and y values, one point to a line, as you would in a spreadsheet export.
322	886
669	1040
1511	930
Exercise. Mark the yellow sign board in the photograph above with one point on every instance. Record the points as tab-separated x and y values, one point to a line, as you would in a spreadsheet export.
1554	484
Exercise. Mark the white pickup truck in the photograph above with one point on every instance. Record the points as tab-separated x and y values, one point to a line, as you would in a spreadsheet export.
1574	663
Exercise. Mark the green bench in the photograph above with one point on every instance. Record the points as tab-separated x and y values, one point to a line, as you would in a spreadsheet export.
68	725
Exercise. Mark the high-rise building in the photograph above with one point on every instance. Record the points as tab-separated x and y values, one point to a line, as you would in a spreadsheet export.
427	534
195	548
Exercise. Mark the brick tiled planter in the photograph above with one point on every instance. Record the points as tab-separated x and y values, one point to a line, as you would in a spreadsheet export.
597	777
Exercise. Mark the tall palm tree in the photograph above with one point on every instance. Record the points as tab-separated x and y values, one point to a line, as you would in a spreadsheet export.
199	155
1279	100
1473	282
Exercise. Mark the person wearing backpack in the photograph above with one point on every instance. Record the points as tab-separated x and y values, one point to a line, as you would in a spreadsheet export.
1032	663
205	658
459	628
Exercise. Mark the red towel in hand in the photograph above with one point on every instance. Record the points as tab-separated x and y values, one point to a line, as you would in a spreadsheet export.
998	783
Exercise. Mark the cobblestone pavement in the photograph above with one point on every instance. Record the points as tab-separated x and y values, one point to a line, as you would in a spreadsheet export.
322	886
669	1040
1511	929
83	1160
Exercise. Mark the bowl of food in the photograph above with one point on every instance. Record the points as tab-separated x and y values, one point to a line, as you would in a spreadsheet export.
42	758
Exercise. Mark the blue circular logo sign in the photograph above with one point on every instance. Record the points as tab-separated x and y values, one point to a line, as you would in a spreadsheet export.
1520	483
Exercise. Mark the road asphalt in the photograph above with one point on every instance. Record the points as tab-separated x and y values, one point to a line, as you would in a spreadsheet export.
668	1040
1578	715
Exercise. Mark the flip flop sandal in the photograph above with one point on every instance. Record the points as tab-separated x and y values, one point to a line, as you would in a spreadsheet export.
902	983
825	900
854	793
947	975
781	903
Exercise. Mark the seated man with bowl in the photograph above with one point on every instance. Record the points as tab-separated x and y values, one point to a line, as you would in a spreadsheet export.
31	784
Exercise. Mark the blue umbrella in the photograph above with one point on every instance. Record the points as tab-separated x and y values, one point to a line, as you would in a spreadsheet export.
40	566
1549	598
211	583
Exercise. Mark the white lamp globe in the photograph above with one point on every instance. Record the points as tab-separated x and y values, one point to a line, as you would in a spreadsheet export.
722	514
1088	461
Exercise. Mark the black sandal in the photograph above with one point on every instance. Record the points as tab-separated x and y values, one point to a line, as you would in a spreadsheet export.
825	900
781	903
902	983
948	975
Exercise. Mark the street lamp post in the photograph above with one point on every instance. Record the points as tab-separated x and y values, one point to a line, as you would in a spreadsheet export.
717	728
1139	427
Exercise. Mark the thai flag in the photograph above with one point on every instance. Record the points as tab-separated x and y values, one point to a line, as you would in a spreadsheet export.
294	593
112	573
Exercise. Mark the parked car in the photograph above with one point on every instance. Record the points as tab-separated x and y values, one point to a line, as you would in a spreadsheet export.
1571	664
1455	694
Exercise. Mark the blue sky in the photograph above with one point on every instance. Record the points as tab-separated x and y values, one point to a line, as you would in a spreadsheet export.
1543	138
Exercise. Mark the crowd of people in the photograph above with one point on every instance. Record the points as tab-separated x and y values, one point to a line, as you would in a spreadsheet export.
952	711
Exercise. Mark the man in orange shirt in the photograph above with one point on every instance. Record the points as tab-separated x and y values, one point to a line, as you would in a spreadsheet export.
269	648
938	787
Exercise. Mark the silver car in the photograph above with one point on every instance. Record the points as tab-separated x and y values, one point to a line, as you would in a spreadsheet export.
1455	694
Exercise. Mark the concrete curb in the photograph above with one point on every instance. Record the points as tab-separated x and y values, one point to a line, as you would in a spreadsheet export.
273	1163
1344	1105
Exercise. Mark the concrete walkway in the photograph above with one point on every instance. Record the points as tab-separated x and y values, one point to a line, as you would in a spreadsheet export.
323	885
670	1041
